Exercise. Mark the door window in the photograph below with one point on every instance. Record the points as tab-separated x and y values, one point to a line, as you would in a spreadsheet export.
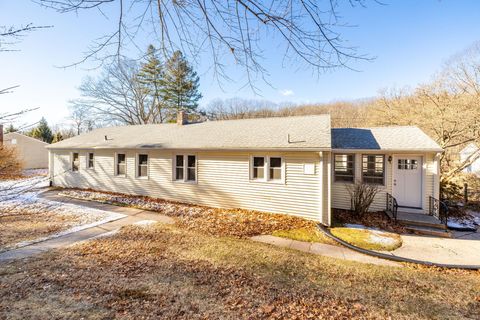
407	164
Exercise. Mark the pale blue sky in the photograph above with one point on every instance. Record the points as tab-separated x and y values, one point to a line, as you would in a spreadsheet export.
410	40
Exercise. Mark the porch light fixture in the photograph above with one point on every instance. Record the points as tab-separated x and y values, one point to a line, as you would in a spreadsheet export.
390	159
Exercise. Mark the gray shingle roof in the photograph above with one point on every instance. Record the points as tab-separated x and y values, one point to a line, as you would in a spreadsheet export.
383	138
305	132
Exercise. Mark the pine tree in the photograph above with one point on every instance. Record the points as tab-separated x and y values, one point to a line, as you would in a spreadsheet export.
42	132
181	84
151	78
57	137
10	129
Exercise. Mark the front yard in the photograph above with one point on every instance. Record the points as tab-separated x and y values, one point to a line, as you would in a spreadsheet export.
162	271
26	217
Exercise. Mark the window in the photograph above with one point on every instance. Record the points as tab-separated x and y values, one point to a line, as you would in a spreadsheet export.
179	167
121	164
75	161
373	168
266	168
142	170
90	162
275	168
191	168
185	168
258	168
344	167
407	164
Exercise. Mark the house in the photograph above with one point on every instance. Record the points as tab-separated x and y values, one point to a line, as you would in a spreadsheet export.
467	152
292	165
32	152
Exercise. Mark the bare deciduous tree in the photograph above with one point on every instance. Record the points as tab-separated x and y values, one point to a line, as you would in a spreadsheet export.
308	31
116	97
448	109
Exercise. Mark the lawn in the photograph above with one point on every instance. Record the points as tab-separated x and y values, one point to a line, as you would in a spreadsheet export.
30	225
169	272
25	216
368	238
311	234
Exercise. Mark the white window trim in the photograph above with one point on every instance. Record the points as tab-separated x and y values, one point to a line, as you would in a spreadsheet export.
87	160
71	162
115	163
185	168
137	163
266	169
384	181
354	168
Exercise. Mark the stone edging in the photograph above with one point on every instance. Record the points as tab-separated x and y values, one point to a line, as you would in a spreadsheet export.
327	232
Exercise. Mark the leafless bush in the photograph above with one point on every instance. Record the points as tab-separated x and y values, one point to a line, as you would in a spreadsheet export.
362	195
10	164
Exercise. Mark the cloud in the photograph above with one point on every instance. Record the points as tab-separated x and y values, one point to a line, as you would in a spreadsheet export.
287	92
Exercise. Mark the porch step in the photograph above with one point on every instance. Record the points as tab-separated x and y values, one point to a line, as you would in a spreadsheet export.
429	231
419	223
419	220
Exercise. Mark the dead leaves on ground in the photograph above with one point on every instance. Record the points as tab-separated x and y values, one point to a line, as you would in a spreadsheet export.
212	221
138	273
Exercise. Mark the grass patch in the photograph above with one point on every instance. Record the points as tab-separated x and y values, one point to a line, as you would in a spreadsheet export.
369	239
304	234
25	226
168	272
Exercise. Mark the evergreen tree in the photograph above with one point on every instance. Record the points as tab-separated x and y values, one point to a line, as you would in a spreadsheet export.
57	137
42	132
10	129
181	83
150	77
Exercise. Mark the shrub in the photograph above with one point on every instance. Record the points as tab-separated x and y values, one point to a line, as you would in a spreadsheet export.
449	190
362	196
10	165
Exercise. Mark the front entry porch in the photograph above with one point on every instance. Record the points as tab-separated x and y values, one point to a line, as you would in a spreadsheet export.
432	224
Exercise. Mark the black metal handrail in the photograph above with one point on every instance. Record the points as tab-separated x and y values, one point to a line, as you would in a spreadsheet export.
438	209
392	206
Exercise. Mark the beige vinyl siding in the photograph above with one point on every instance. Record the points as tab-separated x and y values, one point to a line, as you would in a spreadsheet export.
223	180
32	152
341	196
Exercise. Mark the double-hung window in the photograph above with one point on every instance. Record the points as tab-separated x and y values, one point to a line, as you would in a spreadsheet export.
373	169
121	167
344	167
258	168
142	165
265	168
90	161
75	161
185	168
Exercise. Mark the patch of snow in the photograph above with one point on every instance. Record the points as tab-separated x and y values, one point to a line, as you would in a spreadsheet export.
112	217
359	226
377	238
460	224
24	195
164	207
145	223
35	172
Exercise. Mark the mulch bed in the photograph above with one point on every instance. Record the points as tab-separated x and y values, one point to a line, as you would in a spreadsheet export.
213	221
372	219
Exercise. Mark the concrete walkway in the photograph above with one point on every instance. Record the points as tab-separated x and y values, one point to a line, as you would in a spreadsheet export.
132	216
464	250
324	250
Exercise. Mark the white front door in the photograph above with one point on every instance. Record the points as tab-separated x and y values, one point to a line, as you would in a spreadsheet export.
407	181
